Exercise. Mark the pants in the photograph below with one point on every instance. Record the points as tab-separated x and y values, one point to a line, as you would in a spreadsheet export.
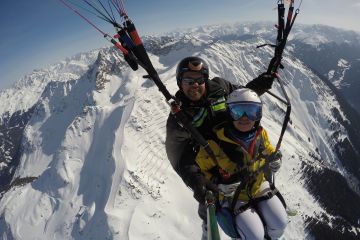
203	215
202	212
270	213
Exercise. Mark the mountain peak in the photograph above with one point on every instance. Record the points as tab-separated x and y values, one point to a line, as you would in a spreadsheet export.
93	151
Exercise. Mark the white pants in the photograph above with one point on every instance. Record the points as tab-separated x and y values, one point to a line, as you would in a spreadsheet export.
249	223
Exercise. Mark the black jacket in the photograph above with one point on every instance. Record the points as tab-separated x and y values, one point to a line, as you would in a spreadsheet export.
181	149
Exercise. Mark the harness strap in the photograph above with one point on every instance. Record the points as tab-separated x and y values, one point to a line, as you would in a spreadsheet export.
245	180
236	195
255	201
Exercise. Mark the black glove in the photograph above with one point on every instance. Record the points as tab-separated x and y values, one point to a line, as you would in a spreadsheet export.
201	186
260	84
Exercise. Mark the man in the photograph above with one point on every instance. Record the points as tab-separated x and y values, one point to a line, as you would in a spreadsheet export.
203	101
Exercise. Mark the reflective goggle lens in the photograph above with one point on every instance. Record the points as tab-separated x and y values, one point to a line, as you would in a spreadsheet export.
252	110
192	81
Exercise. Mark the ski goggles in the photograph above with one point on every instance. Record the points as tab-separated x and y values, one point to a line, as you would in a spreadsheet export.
252	110
192	81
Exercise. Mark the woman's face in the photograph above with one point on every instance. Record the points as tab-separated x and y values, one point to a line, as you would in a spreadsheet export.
244	124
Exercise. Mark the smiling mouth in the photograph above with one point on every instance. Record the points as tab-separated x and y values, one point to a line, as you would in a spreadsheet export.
194	91
243	122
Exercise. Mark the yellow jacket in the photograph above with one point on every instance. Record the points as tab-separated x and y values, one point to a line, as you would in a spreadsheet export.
251	161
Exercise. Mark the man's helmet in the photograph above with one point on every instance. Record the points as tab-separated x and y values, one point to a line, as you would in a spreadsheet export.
242	102
191	64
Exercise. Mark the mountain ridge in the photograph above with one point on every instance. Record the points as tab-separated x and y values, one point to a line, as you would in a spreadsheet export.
97	144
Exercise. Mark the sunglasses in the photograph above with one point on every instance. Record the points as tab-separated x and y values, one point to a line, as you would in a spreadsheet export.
252	110
192	81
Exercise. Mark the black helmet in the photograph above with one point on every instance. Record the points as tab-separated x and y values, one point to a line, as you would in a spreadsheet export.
191	64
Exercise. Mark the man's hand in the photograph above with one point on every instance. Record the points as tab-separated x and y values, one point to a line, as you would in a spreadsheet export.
260	84
201	186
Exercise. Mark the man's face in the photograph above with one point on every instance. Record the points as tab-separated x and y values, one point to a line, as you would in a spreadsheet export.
193	90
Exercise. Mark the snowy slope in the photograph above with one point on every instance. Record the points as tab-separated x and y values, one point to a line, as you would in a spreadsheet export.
18	103
95	144
20	98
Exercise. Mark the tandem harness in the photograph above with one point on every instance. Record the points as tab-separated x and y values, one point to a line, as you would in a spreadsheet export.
226	215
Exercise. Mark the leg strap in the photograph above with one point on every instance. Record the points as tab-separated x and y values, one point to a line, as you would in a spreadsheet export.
253	202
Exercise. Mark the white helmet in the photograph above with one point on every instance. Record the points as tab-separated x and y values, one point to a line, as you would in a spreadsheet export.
242	102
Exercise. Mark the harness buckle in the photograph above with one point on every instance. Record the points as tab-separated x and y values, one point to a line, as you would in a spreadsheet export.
228	190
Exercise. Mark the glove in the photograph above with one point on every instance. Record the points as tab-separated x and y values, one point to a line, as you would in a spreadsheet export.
260	84
275	161
201	186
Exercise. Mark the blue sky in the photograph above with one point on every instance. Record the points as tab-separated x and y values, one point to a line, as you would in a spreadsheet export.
35	33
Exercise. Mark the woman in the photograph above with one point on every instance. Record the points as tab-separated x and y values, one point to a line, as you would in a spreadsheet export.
248	207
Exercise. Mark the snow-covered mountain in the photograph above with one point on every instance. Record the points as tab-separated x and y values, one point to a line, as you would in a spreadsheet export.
336	58
18	103
333	53
82	144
